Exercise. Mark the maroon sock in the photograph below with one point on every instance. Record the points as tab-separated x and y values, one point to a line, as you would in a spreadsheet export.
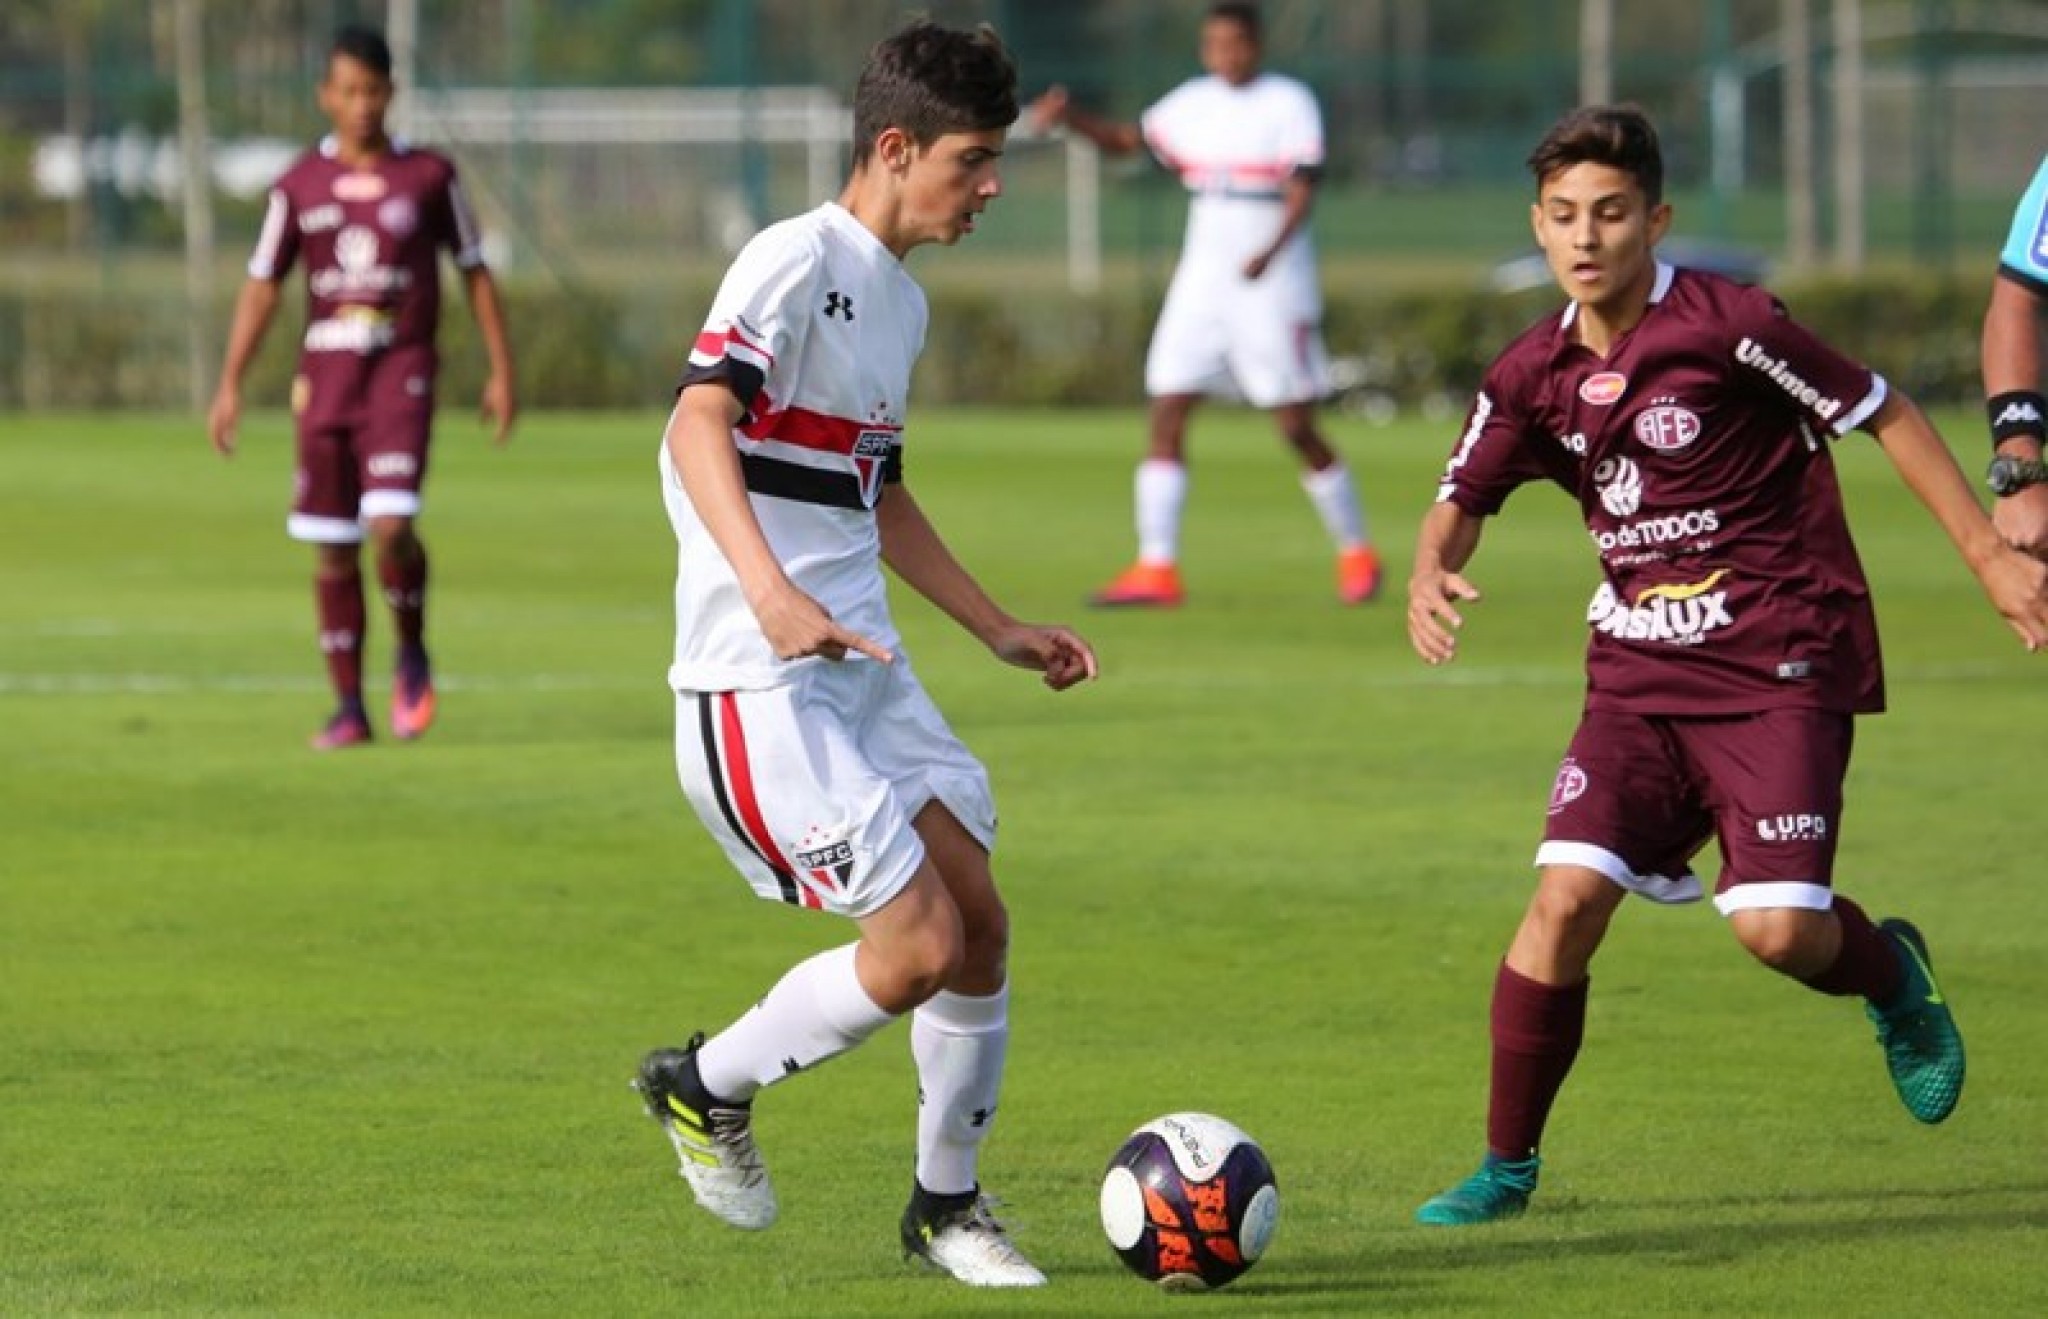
405	590
340	599
1536	1034
1866	965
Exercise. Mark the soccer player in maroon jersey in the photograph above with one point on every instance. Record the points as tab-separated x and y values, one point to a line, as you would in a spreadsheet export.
1733	640
369	217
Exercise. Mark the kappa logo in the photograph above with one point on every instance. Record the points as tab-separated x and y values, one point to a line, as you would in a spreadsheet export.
1569	787
2019	412
1603	389
838	304
1621	486
319	219
1665	426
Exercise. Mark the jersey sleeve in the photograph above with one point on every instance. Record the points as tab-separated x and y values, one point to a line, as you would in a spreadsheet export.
1166	126
2025	255
460	233
753	341
1301	133
277	243
1777	357
1493	456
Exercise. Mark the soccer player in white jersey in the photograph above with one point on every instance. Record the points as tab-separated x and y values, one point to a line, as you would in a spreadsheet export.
2013	382
803	739
1243	316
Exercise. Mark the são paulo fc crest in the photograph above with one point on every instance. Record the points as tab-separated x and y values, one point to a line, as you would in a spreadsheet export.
1569	787
1604	388
870	456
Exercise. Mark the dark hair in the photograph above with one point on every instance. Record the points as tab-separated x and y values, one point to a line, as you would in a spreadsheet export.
1241	12
364	45
1620	136
930	81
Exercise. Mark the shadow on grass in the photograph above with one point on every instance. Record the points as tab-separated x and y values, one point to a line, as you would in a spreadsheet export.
1403	1268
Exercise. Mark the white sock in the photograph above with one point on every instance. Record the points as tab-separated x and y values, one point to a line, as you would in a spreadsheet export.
1161	489
815	1012
959	1043
1336	501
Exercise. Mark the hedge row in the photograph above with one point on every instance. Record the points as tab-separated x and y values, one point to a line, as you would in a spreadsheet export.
1025	347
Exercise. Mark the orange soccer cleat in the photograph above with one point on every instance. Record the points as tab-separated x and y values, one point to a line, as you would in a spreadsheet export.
1142	586
1358	575
412	702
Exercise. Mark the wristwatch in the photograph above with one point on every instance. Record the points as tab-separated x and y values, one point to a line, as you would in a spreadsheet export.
2009	476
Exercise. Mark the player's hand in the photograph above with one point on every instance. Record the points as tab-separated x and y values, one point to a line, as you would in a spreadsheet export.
2023	520
222	418
1048	112
1057	652
797	626
2018	587
1257	265
501	406
1433	617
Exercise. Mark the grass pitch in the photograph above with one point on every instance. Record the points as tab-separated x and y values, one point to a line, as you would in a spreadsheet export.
282	1033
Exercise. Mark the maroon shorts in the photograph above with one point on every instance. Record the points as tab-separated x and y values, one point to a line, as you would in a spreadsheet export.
363	429
1638	795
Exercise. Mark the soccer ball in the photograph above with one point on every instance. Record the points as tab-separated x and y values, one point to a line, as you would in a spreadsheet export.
1189	1202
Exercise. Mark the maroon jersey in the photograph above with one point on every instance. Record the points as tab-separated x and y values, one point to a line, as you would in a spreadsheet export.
371	240
1695	450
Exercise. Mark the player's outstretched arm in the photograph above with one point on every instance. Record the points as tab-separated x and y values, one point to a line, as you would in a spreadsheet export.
254	308
1053	109
1444	546
912	548
2016	583
2013	323
699	440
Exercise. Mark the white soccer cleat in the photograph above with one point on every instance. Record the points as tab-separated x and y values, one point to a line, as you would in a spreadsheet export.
714	1142
966	1240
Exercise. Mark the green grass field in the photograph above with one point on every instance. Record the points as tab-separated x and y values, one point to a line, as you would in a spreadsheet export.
289	1034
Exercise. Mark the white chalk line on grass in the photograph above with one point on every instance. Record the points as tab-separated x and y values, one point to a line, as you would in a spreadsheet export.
181	684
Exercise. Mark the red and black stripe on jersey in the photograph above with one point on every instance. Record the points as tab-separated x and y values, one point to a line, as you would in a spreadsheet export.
779	478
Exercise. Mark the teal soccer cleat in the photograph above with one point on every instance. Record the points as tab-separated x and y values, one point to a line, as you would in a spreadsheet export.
1498	1191
1922	1046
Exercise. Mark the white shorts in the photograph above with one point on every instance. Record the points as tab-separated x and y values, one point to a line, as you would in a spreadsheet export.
1257	340
811	787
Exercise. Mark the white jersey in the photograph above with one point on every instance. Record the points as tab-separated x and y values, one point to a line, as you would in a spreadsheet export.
815	329
1234	149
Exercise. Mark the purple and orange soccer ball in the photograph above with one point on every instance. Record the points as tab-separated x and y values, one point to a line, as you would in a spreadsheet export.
1189	1202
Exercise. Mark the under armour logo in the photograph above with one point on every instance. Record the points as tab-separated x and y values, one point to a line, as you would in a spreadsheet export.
838	304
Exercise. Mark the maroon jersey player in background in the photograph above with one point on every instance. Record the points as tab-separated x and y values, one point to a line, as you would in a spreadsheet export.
368	217
1733	641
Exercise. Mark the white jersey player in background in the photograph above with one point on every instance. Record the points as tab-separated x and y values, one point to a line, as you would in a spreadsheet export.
1243	316
803	738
